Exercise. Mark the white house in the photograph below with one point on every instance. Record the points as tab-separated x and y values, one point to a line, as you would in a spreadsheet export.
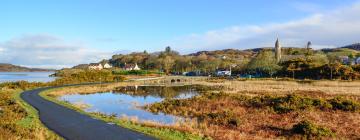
357	60
223	73
95	66
107	66
344	59
131	67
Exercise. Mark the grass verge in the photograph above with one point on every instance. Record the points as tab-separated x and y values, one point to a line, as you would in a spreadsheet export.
19	120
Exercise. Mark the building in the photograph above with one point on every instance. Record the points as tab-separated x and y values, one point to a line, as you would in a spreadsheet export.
277	50
357	60
223	72
107	66
131	67
95	66
344	59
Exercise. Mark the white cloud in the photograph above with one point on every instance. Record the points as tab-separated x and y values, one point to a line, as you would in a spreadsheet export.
47	51
328	29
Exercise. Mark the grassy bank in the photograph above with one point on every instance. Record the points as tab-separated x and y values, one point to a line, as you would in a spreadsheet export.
153	129
18	120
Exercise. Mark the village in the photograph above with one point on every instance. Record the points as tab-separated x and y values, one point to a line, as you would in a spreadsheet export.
268	62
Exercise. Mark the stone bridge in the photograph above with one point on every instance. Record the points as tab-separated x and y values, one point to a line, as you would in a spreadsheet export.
173	80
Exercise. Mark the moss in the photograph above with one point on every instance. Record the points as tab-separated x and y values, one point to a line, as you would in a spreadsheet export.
309	130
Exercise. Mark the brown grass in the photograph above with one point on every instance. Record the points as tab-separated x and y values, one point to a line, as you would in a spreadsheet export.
285	87
260	123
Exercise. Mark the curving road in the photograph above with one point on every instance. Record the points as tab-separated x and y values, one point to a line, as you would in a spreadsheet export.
75	126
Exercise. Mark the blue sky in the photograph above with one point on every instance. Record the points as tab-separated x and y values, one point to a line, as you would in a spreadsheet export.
99	28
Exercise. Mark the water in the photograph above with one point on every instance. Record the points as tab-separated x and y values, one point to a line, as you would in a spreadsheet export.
26	76
127	101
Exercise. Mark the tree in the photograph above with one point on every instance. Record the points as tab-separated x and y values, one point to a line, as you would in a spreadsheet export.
299	64
167	63
333	61
264	62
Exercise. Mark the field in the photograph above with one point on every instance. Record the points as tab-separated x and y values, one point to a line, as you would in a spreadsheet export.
258	109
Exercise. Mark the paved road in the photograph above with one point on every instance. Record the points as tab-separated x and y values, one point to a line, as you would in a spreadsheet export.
75	126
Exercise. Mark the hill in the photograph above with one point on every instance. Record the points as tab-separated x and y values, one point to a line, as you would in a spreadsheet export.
231	53
355	46
4	67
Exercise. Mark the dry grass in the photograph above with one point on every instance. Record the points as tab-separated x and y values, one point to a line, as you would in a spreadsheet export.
87	89
19	120
256	122
278	87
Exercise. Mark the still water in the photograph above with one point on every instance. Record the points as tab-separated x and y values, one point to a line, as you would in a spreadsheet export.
26	76
127	101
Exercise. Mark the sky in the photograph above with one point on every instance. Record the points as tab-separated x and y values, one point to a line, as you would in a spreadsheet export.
57	34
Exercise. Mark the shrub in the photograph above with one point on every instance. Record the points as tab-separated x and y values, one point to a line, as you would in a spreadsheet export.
339	103
311	130
221	118
294	102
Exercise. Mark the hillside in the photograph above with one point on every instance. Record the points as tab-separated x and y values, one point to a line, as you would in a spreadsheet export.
13	68
231	53
355	46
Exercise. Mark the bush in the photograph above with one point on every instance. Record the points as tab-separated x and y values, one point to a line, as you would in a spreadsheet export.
221	118
311	130
339	103
24	85
294	102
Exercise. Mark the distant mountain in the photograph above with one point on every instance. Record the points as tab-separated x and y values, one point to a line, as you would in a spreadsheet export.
81	66
4	67
355	46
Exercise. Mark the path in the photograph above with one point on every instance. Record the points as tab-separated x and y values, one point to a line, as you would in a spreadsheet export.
75	126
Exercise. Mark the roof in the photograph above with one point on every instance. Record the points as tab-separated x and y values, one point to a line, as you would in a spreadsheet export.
129	66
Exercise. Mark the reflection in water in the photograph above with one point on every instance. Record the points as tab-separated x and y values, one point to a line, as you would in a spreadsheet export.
127	101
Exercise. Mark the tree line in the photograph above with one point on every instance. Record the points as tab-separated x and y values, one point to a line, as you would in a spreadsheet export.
296	63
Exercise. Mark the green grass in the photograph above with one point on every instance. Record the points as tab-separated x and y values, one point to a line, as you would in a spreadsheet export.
161	133
32	119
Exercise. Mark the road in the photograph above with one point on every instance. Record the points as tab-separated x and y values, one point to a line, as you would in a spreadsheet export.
75	126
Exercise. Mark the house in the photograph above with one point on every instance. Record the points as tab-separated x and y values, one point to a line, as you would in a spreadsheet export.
95	66
223	72
357	60
107	66
131	67
344	59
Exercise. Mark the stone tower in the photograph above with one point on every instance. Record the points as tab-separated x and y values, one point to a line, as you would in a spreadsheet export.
277	50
